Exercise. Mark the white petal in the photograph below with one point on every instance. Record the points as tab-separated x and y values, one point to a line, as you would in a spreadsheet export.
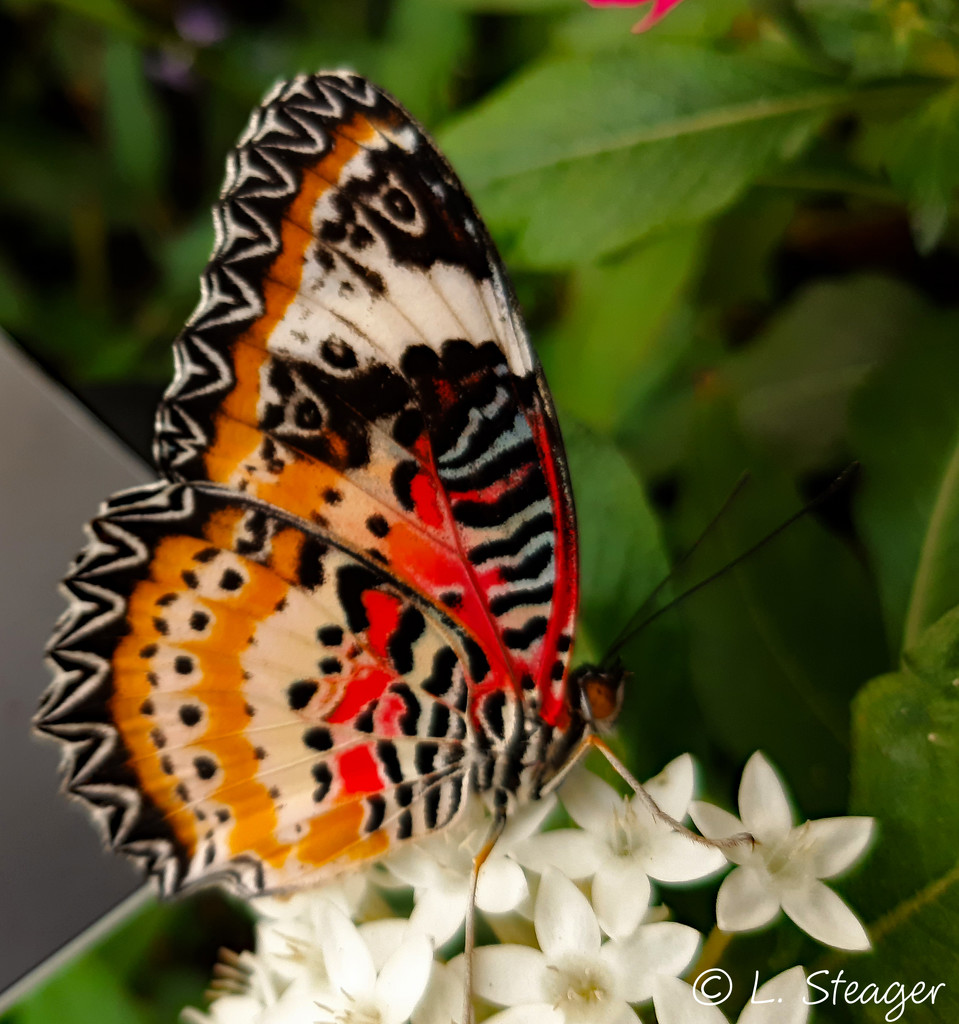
413	865
782	1000
837	843
744	901
533	1013
297	1005
510	975
226	1010
501	886
440	911
443	1001
676	1003
620	896
763	804
384	937
590	801
574	852
402	981
677	858
525	821
662	948
564	920
714	822
673	787
348	961
823	915
626	1015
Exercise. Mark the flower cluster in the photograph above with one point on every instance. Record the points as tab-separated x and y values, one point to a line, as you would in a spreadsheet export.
580	939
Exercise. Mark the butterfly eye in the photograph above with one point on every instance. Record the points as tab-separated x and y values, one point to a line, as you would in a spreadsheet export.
601	697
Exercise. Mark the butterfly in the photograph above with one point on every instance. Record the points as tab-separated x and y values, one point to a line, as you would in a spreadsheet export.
348	604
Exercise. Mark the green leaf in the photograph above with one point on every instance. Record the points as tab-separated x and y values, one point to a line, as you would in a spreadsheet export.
440	36
579	157
906	733
921	154
613	343
621	553
781	642
89	991
132	118
738	264
905	429
794	382
111	14
622	561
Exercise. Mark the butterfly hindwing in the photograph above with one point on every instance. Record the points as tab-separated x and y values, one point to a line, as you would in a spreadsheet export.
243	696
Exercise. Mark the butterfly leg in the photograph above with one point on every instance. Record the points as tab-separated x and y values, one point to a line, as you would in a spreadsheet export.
496	830
726	843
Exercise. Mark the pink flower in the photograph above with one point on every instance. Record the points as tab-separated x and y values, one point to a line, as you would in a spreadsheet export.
659	9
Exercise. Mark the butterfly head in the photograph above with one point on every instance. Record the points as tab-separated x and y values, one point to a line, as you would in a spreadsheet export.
599	693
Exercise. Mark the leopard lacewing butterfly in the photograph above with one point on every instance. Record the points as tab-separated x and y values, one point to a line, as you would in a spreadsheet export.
349	601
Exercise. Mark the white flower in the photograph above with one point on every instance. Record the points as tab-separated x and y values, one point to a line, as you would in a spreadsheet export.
623	844
574	978
356	992
314	966
290	928
245	1007
782	1000
440	869
444	1001
784	868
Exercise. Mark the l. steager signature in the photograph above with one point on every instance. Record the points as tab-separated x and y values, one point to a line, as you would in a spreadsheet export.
715	986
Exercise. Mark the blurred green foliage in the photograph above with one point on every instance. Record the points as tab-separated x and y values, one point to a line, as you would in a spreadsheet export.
735	242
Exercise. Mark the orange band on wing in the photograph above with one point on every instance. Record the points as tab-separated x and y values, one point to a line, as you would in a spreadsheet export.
337	832
280	286
220	687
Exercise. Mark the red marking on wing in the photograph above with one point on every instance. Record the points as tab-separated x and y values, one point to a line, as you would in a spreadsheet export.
388	714
554	707
383	611
358	771
362	687
423	491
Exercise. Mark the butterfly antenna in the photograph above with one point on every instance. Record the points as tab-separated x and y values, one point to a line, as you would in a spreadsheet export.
639	619
814	503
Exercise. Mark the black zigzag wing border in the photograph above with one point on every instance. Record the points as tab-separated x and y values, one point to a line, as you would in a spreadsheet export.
74	709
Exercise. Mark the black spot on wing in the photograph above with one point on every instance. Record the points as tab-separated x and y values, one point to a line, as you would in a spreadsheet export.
520	639
310	564
425	756
351	583
404	473
492	710
489	514
377	811
409	629
387	756
503	603
509	547
440	681
409	719
530	566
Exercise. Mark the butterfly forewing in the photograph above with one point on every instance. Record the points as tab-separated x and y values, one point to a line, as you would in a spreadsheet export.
359	439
